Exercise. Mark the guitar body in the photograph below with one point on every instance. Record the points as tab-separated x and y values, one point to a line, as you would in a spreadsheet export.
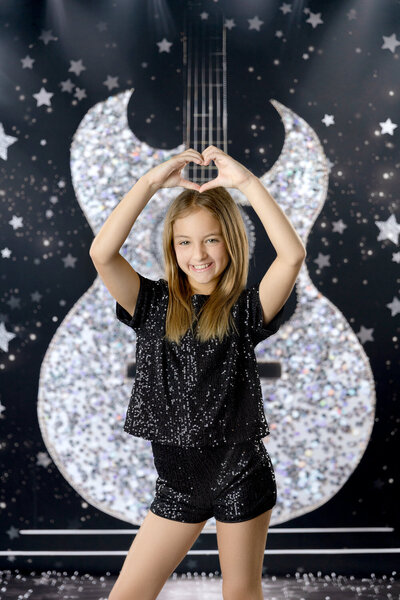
321	409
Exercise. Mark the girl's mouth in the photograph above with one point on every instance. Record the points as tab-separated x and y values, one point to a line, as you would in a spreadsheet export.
202	268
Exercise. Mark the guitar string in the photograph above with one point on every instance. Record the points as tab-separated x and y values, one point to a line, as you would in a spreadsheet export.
193	87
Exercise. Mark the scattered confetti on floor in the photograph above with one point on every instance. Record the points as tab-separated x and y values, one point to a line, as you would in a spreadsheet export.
54	585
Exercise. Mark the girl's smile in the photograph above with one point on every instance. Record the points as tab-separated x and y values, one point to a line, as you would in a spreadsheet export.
200	268
198	241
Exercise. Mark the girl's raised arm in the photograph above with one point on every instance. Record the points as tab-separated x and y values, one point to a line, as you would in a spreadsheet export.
115	230
118	276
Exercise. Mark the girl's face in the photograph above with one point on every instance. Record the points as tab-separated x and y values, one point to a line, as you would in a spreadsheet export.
198	241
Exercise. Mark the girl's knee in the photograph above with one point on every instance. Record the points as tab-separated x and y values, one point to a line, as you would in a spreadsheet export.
131	593
241	591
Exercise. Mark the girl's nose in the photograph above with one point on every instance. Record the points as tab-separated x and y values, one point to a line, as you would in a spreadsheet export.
200	253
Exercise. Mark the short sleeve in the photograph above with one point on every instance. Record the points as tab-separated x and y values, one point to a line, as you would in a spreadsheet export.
147	300
259	331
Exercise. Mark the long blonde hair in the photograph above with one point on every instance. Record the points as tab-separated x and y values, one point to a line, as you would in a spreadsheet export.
214	318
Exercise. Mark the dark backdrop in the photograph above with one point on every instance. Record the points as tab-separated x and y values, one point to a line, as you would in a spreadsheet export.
336	64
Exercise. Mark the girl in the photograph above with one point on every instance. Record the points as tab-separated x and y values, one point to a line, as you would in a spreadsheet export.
197	393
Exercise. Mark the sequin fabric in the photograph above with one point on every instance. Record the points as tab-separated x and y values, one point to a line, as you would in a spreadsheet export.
196	394
231	482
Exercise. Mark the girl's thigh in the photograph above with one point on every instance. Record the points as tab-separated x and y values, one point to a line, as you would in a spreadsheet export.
241	553
158	548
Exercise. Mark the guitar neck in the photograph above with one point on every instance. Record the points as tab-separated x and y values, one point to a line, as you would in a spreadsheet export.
205	93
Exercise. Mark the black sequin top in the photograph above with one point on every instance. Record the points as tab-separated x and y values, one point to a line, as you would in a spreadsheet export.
196	394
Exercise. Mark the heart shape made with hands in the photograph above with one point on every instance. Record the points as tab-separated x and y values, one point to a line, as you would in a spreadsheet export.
208	184
231	173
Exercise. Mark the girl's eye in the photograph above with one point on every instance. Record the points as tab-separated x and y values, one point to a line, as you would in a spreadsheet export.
185	241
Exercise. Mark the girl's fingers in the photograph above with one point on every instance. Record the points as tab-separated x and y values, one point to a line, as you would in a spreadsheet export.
191	159
194	153
209	185
189	184
209	155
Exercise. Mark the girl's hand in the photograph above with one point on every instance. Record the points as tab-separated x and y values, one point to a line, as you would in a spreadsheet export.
231	173
168	173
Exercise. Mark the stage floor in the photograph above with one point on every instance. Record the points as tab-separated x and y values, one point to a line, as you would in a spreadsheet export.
52	585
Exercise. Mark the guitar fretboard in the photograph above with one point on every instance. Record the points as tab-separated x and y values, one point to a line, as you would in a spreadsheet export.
205	94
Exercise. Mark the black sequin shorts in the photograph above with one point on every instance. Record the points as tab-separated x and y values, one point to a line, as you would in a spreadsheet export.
232	482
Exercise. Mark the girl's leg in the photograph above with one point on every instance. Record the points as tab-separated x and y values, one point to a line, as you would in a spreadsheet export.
158	548
241	552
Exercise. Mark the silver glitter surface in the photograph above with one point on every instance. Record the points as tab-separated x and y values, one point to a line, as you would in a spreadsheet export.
320	412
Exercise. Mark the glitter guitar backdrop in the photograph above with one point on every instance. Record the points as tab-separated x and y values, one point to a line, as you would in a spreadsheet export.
320	410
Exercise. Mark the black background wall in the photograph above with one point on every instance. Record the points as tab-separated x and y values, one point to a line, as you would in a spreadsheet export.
339	59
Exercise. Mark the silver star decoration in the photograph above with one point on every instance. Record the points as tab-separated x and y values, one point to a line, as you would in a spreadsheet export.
5	337
322	260
352	14
328	120
230	23
14	302
314	19
255	23
5	252
394	306
111	82
101	26
47	36
67	86
396	257
27	62
69	261
339	226
16	222
43	97
2	408
390	43
389	230
76	67
5	141
285	8
80	93
365	335
12	532
204	16
43	459
164	45
388	126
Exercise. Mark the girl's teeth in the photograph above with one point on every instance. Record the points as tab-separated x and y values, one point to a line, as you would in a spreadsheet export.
201	268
